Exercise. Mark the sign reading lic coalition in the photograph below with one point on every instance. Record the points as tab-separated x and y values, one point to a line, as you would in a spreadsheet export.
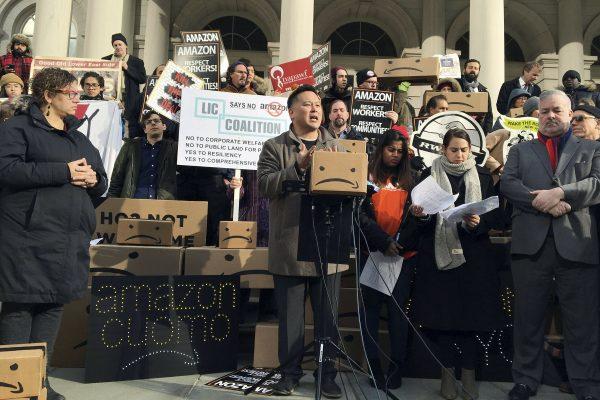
227	130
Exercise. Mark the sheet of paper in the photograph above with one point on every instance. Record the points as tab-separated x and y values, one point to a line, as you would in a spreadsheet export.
476	208
429	195
389	270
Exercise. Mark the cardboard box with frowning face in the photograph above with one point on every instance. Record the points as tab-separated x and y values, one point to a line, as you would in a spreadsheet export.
22	371
516	112
353	146
337	173
237	235
136	260
411	69
144	232
470	103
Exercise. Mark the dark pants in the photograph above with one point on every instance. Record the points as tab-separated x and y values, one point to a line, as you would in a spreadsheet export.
397	323
290	295
30	323
455	348
577	290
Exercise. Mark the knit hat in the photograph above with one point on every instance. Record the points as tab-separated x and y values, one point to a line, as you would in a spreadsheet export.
532	104
335	70
594	111
571	74
118	36
10	78
363	75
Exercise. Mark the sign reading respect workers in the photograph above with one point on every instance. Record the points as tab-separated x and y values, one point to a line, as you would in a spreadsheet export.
227	130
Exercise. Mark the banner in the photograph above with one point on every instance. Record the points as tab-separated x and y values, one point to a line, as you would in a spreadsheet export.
427	141
109	70
243	379
521	130
368	110
103	127
155	326
201	59
288	76
227	130
150	83
320	61
165	99
209	37
449	66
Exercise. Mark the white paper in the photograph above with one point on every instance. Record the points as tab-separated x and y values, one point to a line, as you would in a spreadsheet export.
476	208
429	195
389	270
95	242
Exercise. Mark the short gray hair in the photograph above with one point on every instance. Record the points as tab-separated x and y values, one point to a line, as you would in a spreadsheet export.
555	92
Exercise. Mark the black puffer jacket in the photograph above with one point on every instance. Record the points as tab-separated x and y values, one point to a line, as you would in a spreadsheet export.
581	92
46	223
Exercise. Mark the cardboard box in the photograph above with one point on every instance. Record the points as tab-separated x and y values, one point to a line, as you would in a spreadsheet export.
470	103
516	112
137	260
189	217
70	345
237	235
411	69
338	173
23	370
144	232
353	146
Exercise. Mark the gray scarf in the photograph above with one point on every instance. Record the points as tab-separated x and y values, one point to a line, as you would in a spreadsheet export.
471	86
448	250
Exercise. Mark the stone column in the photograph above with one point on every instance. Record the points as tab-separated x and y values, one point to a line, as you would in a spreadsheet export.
486	43
549	78
156	37
434	28
105	18
52	27
570	37
296	32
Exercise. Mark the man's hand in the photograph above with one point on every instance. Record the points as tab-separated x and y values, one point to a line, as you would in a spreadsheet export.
234	183
560	209
416	210
545	200
393	115
393	249
471	220
305	156
125	66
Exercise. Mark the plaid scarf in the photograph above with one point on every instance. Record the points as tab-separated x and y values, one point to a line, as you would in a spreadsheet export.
554	146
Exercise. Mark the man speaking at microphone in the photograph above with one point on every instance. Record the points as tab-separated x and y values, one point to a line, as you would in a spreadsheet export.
287	157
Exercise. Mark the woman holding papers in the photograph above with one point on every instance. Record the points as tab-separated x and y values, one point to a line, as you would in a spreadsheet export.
457	288
381	218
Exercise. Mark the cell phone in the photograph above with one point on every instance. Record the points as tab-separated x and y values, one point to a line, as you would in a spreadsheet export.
10	66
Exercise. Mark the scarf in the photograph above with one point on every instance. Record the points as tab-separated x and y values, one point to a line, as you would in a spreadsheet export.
554	146
448	250
471	86
124	59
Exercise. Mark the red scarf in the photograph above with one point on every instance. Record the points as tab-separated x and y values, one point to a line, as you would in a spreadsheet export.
551	144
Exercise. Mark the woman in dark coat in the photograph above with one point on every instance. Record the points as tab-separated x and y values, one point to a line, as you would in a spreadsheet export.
48	173
457	288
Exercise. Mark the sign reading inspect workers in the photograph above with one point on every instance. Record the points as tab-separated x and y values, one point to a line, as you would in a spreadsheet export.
157	326
320	61
368	112
227	130
201	59
209	37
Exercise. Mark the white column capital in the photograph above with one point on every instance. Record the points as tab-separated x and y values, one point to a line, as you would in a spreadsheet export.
549	78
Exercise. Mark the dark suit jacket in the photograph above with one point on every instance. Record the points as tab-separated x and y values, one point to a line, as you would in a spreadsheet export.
488	119
505	90
135	75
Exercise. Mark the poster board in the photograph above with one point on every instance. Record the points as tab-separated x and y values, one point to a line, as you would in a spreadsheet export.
209	37
320	61
367	112
201	59
521	130
244	378
288	76
449	66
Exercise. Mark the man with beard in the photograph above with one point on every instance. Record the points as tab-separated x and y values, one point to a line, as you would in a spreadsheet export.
145	167
577	91
469	83
18	58
338	122
237	79
551	182
339	90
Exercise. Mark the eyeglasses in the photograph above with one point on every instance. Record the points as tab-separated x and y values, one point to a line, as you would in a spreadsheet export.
153	121
71	94
581	118
91	85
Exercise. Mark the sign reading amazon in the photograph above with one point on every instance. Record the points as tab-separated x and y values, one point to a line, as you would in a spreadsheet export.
288	76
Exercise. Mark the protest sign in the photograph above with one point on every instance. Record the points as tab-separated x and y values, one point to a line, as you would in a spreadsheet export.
449	66
521	130
244	378
427	141
209	37
201	59
165	99
157	326
368	112
103	127
109	70
320	61
227	130
150	83
288	76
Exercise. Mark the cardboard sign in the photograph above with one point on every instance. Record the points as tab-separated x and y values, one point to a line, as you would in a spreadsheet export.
209	37
237	235
467	102
418	70
189	218
288	76
144	232
149	327
515	112
449	66
320	61
201	59
22	371
427	141
521	130
150	84
135	260
353	146
227	130
368	110
339	173
244	378
109	70
165	99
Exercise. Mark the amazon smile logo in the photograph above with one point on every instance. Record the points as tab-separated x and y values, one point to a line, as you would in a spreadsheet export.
353	184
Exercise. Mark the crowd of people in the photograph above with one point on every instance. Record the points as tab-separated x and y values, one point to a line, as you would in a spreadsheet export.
549	188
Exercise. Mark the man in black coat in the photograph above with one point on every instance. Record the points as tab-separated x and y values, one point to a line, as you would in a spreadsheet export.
469	83
531	73
132	76
339	90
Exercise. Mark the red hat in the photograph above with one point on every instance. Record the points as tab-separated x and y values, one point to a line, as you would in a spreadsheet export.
402	129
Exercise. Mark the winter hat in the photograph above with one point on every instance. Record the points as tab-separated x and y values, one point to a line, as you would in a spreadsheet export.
517	93
335	70
402	130
532	104
21	39
10	78
571	74
594	111
118	36
363	75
